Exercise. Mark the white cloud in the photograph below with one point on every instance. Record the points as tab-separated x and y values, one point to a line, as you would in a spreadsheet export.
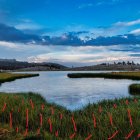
129	23
8	45
26	20
118	28
99	3
83	55
136	32
85	49
115	29
26	26
80	58
21	47
86	5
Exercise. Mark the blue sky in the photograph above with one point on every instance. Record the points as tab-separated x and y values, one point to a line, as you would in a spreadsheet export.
70	32
65	14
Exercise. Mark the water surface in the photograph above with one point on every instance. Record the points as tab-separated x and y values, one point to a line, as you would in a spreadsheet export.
76	93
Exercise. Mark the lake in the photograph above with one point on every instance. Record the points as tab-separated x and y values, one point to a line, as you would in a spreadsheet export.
73	94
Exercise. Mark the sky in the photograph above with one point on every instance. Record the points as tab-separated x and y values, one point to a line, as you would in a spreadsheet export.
70	32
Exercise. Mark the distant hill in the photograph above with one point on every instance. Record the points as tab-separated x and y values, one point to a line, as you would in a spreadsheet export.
12	64
124	66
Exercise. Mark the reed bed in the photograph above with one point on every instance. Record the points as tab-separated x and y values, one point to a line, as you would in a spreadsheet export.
29	116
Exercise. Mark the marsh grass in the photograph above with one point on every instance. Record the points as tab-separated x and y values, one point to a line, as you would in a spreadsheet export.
134	89
83	118
7	77
112	75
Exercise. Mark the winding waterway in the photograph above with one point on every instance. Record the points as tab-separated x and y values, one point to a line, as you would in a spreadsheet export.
73	94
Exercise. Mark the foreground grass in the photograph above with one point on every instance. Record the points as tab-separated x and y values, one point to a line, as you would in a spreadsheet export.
6	77
112	75
93	121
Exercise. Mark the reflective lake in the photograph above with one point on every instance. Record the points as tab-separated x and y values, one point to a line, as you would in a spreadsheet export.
56	87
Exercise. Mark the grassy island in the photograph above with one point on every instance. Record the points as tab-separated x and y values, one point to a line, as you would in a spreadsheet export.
7	77
30	117
112	75
134	89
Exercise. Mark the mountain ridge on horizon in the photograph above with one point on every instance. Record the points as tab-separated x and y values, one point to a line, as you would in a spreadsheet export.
13	64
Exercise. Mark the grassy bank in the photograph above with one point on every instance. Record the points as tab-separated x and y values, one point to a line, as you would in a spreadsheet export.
112	75
6	77
134	89
117	119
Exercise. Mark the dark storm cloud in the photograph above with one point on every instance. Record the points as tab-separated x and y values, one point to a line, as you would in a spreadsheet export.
8	33
12	34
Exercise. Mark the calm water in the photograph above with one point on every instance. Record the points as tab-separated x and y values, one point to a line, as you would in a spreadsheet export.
56	87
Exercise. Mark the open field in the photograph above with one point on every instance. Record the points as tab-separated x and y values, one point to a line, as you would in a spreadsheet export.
7	77
112	75
29	116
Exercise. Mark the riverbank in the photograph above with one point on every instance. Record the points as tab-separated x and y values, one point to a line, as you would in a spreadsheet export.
7	77
111	75
29	116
